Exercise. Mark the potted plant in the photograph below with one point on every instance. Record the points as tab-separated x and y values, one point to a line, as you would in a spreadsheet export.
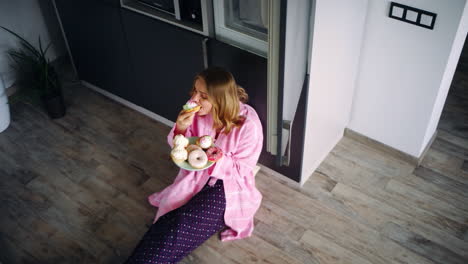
37	76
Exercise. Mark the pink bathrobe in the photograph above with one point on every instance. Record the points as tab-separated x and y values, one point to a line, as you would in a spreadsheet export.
241	147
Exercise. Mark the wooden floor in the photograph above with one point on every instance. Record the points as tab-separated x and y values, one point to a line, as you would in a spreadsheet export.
74	190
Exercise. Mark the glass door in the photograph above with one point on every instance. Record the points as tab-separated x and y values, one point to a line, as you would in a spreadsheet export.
248	17
243	23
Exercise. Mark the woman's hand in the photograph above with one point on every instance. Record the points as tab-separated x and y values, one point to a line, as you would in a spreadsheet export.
184	120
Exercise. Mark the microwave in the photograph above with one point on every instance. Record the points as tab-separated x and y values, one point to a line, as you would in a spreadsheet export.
193	15
243	23
167	6
186	10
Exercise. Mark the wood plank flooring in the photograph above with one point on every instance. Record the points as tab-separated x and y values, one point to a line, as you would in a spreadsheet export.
74	190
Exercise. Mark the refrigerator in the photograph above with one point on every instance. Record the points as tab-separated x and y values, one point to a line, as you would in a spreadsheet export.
279	31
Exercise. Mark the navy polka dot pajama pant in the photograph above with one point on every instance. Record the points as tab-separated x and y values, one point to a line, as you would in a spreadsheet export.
179	232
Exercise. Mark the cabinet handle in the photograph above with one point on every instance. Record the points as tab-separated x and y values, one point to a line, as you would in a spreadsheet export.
286	157
205	52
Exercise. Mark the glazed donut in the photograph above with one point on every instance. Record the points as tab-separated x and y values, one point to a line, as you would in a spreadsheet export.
179	155
205	142
192	147
180	141
214	154
197	158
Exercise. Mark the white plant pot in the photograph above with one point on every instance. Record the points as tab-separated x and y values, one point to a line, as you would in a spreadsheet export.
4	108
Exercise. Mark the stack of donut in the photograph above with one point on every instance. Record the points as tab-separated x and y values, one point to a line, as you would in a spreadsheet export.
197	154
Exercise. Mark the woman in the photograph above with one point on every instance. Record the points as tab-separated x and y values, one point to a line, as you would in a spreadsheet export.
199	204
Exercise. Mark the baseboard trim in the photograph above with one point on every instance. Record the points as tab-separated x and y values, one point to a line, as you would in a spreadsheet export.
416	161
129	104
428	146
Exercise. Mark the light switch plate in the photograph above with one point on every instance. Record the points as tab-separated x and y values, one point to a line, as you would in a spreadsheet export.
412	15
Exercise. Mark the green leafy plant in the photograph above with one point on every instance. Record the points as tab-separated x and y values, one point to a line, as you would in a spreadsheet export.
35	74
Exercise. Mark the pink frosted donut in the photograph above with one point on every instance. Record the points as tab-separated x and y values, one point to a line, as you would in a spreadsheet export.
197	158
205	142
214	154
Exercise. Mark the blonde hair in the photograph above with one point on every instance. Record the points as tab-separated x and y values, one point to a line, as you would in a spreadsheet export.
224	94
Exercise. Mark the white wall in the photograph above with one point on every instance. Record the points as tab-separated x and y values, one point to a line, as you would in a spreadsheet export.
28	18
336	43
447	77
401	70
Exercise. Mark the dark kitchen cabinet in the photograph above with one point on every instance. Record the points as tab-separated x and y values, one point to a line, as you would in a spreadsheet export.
115	3
249	70
98	45
152	63
165	59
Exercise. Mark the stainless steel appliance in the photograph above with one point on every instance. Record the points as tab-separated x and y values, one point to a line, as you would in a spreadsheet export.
194	15
243	23
162	5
